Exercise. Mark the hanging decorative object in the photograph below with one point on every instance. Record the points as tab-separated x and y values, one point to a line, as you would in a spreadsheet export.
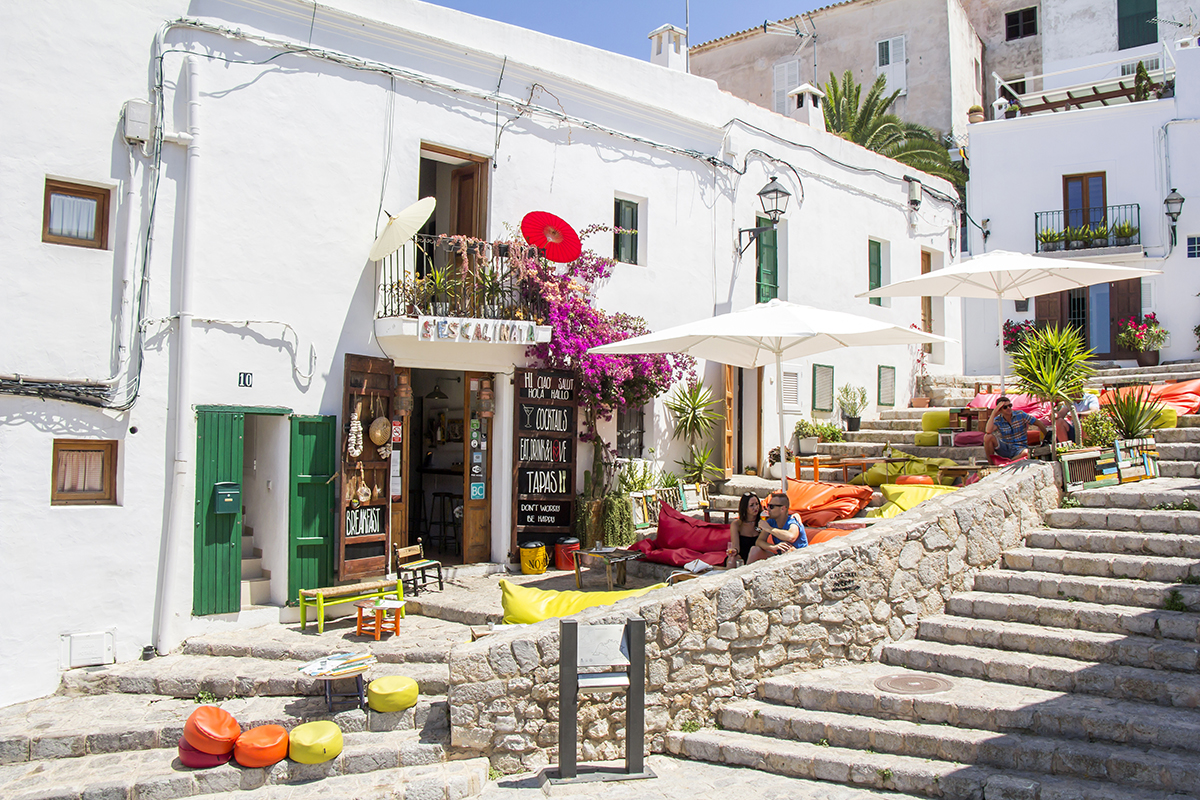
354	442
553	235
385	451
380	430
363	495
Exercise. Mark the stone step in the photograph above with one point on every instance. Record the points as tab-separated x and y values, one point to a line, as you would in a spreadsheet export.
1143	594
912	425
1124	519
904	413
253	568
1175	545
153	774
1104	565
1186	451
1069	614
973	702
881	437
1179	469
224	677
1188	421
1105	372
416	646
1189	435
905	774
447	781
1141	494
256	592
1170	374
1084	645
1071	758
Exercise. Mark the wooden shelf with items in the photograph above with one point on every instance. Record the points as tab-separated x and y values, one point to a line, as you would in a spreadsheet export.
364	522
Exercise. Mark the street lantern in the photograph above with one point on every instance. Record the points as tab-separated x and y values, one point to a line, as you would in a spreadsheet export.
1173	205
774	200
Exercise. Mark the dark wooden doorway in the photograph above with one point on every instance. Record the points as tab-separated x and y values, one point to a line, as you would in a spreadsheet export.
1077	307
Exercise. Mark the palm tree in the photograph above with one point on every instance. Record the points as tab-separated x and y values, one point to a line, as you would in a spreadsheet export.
1052	364
866	121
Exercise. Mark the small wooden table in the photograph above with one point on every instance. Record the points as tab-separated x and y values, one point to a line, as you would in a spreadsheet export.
377	622
862	463
611	556
963	470
969	419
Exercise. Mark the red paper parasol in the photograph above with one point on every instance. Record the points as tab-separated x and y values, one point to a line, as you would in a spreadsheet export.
557	238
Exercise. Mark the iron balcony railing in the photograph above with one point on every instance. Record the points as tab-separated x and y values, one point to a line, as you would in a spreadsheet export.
455	276
1081	228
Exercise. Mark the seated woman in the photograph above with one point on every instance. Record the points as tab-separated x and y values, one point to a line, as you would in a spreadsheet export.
780	532
743	531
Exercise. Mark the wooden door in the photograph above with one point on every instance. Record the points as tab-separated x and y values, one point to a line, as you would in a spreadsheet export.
312	509
730	417
217	559
477	472
401	460
1048	310
1084	199
1124	301
364	522
926	302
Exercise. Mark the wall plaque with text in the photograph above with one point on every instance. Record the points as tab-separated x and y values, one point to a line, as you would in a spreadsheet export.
544	448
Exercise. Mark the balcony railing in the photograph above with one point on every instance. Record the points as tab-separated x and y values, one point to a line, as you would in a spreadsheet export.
1082	228
454	276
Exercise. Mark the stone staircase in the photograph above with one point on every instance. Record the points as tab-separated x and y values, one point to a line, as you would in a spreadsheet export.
1072	671
112	732
256	581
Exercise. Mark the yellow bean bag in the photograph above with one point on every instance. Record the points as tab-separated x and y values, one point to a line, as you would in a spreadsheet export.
902	497
392	693
1167	418
937	418
926	439
524	605
880	474
315	742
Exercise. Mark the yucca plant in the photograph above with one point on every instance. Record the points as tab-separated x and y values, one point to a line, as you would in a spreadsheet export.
700	466
690	408
1052	364
1133	410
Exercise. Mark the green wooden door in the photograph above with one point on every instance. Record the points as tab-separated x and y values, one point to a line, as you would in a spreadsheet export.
311	529
768	262
217	566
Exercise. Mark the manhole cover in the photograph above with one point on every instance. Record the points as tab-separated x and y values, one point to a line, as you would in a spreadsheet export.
912	684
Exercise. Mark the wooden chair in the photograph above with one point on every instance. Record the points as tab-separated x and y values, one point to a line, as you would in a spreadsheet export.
413	568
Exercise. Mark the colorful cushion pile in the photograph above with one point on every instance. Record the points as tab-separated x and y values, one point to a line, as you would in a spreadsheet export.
211	737
819	503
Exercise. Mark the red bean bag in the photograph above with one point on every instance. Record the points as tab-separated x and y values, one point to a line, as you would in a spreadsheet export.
918	479
968	439
681	539
261	746
818	503
198	759
212	730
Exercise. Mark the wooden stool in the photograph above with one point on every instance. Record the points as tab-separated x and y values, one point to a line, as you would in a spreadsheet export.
376	622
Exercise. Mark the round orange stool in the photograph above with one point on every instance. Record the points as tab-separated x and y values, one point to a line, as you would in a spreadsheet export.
211	730
261	746
903	480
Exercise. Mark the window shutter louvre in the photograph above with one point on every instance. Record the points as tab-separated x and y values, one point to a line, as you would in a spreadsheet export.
787	77
887	386
890	62
874	269
822	388
791	389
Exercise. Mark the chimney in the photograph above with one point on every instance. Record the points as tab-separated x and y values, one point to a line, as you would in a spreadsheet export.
804	105
668	47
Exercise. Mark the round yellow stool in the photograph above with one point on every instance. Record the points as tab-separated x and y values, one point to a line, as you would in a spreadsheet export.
392	693
315	742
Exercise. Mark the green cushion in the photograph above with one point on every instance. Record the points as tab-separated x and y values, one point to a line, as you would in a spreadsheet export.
926	439
934	419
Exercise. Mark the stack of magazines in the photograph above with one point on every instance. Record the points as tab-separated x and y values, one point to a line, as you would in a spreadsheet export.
338	665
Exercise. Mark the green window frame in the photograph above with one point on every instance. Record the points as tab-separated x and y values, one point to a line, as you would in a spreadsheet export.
822	387
1134	27
625	245
767	254
885	395
874	269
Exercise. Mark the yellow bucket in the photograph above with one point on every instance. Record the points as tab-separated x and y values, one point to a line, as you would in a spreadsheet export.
533	558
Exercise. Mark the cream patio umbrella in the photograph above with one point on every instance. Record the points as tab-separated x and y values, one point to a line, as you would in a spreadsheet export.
401	228
771	333
1001	275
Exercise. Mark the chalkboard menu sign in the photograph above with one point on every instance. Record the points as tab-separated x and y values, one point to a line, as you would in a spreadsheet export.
545	450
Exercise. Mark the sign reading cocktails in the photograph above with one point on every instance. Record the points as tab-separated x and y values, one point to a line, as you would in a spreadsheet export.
544	446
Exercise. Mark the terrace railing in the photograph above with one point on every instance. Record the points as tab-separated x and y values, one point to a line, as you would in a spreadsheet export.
1081	228
453	276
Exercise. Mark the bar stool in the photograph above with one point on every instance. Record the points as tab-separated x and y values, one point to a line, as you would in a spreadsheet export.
442	518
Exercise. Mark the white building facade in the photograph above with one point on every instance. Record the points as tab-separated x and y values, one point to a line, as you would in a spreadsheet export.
191	317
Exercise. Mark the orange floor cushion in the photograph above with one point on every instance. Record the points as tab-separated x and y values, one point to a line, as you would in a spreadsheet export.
1184	396
261	746
914	479
819	503
212	730
825	535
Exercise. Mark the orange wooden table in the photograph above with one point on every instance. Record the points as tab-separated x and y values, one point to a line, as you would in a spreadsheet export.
378	621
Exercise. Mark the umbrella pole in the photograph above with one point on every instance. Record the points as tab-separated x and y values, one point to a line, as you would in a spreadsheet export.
783	462
1000	337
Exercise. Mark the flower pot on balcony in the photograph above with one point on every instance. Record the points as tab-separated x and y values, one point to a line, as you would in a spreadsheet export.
1147	358
1051	247
1100	242
1076	244
920	402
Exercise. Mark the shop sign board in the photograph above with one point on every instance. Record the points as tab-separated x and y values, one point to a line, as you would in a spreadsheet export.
544	448
487	331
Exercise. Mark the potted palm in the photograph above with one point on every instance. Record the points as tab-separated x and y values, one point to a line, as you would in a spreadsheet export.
1099	234
690	407
1076	237
442	285
1052	364
1050	240
852	400
1124	233
1143	337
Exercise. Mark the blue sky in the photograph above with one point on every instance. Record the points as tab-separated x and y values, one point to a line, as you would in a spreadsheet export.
622	25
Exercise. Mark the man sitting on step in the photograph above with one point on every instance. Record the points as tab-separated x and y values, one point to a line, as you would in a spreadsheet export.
1007	431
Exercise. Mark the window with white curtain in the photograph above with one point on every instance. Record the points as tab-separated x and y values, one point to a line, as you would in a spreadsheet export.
84	472
75	214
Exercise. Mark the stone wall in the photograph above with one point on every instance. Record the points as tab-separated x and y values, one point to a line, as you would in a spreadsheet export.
716	637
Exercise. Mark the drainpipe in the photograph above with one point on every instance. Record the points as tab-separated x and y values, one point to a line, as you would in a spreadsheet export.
179	514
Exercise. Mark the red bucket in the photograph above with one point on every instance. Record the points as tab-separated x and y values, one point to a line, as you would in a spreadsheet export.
562	552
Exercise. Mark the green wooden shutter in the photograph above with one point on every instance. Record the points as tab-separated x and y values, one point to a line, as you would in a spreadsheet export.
217	564
1134	27
311	529
875	269
625	215
768	262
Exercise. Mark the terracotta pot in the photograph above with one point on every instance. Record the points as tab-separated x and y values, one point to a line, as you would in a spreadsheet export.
920	402
1147	358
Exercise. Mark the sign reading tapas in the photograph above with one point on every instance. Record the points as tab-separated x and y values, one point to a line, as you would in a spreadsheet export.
544	444
490	331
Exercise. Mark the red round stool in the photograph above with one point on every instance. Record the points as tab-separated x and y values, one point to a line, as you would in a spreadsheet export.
198	759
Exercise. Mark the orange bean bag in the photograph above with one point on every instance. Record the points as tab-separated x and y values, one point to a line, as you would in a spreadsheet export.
921	479
192	758
818	503
261	746
1184	396
825	535
212	730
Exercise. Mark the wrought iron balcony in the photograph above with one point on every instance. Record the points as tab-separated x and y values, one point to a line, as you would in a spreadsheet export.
455	276
1083	228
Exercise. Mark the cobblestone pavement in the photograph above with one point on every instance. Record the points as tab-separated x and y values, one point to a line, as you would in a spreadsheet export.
680	778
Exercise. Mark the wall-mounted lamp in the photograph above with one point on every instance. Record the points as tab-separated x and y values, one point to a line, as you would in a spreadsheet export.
985	228
774	199
1173	205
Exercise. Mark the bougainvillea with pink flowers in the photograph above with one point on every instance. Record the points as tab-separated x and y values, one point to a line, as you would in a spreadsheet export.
1015	333
1140	336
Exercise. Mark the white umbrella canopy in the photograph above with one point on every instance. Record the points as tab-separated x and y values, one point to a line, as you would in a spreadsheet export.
401	228
1002	275
771	333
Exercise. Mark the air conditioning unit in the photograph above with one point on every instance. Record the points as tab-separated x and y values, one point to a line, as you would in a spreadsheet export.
86	649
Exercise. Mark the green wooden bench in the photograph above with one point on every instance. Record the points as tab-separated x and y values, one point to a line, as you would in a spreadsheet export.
351	592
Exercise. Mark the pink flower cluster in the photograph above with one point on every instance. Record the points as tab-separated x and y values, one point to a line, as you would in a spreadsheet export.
1015	333
1141	335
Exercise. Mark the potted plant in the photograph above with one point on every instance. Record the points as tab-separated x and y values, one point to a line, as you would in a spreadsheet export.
774	468
975	114
1124	233
1143	337
1052	364
1050	240
1099	234
1076	237
442	285
852	400
807	437
491	291
690	408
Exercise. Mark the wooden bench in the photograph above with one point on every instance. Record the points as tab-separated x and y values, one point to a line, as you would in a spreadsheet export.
351	592
413	568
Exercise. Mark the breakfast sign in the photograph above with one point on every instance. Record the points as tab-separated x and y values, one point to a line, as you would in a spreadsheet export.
545	432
